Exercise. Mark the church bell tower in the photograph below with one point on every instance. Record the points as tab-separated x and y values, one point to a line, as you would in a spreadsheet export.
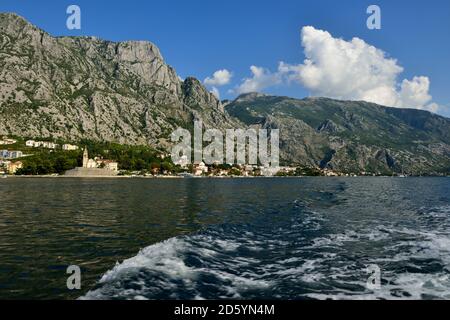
85	158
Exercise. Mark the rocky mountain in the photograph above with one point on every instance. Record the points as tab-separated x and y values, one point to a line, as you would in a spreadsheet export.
84	87
350	136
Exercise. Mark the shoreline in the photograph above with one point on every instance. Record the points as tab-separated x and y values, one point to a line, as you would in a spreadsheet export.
204	177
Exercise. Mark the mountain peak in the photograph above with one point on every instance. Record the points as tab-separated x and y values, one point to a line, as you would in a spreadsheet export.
11	15
142	51
13	24
8	18
88	88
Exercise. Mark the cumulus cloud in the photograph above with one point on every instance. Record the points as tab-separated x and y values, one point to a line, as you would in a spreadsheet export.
347	70
355	70
415	94
219	78
261	79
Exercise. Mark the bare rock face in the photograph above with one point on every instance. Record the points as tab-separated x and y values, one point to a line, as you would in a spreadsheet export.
349	136
144	60
85	87
328	126
198	97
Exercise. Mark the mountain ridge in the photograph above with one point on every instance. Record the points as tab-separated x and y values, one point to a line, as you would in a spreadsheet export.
87	88
350	136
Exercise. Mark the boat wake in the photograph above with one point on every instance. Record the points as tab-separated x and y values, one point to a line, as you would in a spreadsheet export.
295	254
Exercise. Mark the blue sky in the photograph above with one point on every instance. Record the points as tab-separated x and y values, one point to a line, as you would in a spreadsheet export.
200	37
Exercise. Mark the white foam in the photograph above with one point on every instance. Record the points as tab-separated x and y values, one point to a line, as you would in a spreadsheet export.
163	258
167	259
407	286
322	263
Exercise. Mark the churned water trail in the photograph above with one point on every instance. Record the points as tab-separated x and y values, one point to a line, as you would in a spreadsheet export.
306	238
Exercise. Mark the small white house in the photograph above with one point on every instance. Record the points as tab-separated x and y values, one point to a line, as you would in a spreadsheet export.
111	165
43	144
15	154
7	141
30	143
200	169
49	145
69	147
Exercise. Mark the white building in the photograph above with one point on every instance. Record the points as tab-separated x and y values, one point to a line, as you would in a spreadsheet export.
43	144
7	141
49	145
30	143
5	154
14	166
200	169
98	163
69	147
16	154
269	171
91	164
10	167
108	164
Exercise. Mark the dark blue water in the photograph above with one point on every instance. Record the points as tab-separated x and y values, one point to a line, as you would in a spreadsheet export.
305	238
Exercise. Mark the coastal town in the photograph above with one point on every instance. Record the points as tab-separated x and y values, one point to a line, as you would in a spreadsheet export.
15	158
11	160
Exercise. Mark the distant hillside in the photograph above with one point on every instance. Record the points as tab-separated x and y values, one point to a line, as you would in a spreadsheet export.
351	136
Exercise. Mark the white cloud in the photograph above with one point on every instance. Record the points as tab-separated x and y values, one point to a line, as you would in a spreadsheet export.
415	93
261	79
355	70
346	70
219	78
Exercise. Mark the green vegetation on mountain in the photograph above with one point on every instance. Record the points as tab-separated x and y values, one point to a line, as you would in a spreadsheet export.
351	136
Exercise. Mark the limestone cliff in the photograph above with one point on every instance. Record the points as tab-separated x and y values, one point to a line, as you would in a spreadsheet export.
84	87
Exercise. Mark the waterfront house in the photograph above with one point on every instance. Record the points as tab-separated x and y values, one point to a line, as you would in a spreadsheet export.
94	167
200	168
107	164
14	166
99	163
330	173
